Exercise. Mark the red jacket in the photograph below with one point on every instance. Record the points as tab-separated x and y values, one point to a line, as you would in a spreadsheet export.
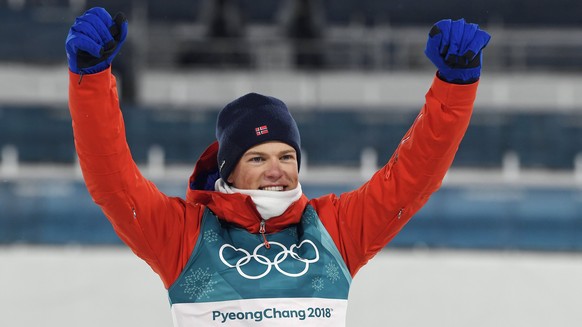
163	230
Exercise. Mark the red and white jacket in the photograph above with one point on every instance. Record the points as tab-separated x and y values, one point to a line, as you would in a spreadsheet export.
163	230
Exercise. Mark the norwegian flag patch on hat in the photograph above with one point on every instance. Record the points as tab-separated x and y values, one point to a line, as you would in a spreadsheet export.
262	130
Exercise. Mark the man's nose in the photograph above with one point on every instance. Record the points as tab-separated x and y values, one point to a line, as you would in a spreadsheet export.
274	170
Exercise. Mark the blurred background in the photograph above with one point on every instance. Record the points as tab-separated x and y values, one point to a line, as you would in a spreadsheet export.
498	245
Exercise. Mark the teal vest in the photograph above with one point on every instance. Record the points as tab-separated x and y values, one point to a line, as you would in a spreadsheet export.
233	279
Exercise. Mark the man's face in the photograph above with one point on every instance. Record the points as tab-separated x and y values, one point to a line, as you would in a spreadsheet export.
270	166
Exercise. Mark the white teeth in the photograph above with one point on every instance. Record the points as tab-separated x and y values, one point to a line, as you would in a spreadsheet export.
273	188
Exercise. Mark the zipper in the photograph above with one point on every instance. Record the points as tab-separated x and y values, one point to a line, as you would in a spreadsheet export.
400	213
262	232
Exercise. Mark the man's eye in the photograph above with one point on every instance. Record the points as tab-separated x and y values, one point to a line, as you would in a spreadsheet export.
256	159
287	157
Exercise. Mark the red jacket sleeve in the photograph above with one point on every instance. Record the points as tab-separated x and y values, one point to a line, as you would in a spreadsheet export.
363	221
152	224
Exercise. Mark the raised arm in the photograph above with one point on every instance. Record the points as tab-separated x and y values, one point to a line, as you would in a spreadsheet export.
363	221
149	222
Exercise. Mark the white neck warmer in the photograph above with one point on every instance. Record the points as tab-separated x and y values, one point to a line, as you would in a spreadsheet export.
269	203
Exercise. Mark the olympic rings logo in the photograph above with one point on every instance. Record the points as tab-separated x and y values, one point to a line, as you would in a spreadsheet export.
279	258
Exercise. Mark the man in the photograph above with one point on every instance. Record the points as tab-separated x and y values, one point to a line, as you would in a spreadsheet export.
246	246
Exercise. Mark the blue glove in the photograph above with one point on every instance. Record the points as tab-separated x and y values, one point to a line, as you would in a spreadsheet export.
455	48
94	40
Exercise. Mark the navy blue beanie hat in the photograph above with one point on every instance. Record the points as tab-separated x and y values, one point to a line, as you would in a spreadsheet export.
251	120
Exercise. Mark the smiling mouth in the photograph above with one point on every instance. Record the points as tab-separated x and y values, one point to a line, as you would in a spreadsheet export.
272	188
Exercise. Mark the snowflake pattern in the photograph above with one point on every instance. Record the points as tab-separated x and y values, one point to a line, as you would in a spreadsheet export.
332	272
309	216
317	283
292	232
210	236
199	284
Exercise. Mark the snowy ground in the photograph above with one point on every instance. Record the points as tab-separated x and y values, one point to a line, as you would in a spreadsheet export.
69	286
